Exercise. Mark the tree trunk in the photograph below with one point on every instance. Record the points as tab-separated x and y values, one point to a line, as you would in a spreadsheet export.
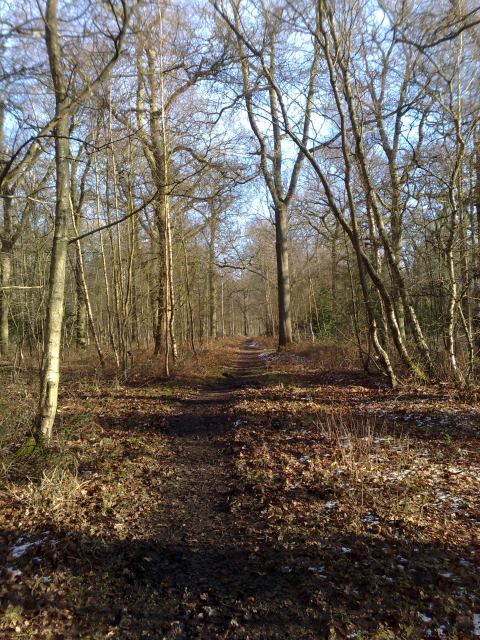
333	274
212	281
246	328
81	315
50	373
5	273
283	276
476	247
161	327
81	327
5	255
84	308
222	309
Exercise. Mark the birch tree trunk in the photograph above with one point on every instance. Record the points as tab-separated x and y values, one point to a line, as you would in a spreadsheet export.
50	373
64	105
5	273
6	249
5	256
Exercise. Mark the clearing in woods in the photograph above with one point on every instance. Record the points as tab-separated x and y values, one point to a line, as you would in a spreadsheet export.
266	496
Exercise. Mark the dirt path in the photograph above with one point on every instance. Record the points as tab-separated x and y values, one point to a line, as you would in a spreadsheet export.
218	505
219	575
149	545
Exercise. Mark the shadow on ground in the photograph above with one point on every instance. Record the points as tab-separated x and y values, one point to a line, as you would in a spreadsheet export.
210	571
245	589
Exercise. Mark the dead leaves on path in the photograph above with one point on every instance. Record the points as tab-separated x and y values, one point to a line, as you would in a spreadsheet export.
351	512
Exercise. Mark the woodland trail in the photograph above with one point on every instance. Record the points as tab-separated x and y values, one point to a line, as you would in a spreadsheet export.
221	576
151	546
217	505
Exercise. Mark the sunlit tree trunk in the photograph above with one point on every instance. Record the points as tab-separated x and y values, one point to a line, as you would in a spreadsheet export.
50	372
5	273
476	247
108	303
81	283
334	273
6	249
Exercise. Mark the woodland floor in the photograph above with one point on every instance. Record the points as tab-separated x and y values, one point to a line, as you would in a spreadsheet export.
253	496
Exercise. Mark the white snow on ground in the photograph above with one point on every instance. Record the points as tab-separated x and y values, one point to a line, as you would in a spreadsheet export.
331	504
371	518
476	624
20	548
273	356
456	503
318	569
22	545
463	417
267	355
424	618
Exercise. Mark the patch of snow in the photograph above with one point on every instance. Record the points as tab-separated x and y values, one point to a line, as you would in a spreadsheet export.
20	548
304	459
272	356
320	568
371	518
476	624
14	572
22	545
346	550
331	504
398	475
456	503
268	355
424	618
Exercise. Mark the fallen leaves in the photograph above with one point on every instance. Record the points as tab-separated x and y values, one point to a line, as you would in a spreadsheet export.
280	503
